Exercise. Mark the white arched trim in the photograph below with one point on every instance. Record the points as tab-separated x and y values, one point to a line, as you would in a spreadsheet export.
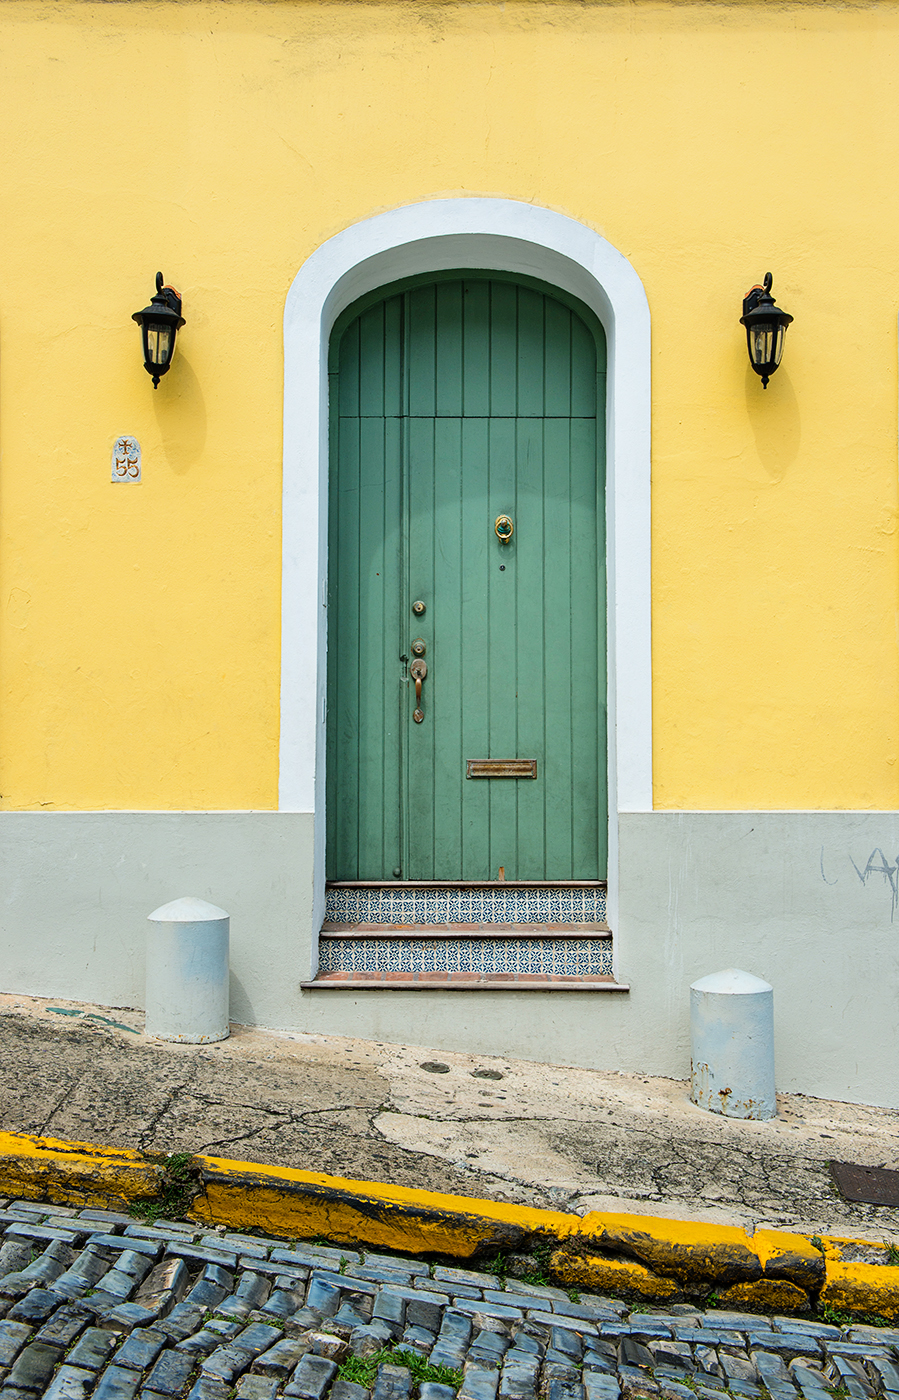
475	233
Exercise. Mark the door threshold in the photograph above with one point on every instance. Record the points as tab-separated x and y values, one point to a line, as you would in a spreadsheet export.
347	981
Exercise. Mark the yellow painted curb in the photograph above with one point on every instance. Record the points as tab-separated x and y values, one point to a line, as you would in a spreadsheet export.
297	1203
642	1256
74	1173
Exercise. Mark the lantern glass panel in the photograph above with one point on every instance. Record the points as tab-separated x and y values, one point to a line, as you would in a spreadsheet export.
761	343
159	344
779	344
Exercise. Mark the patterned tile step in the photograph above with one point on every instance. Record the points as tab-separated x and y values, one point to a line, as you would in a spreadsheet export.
461	982
465	904
406	930
477	956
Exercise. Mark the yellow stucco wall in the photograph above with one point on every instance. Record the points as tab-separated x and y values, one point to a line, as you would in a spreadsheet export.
223	142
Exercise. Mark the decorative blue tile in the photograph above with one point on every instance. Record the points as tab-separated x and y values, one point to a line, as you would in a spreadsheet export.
479	956
467	905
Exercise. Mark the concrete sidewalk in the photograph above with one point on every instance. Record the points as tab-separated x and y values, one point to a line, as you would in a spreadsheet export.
505	1130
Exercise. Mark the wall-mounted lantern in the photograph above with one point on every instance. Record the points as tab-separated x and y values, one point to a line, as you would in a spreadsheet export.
766	326
159	324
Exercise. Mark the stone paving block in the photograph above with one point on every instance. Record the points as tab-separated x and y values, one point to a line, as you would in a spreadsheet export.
429	1390
419	1339
35	1307
514	1300
15	1255
202	1343
120	1243
284	1302
523	1342
159	1233
256	1388
537	1290
770	1367
373	1275
448	1274
19	1230
365	1341
324	1297
170	1370
227	1362
209	1388
392	1383
181	1321
207	1294
348	1316
389	1307
392	1261
313	1256
737	1366
885	1370
478	1382
350	1282
477	1309
257	1338
598	1387
311	1378
787	1344
569	1309
667	1352
34	1366
671	1389
108	1217
748	1389
13	1336
250	1245
881	1336
92	1349
14	1392
455	1290
141	1349
170	1277
70	1383
566	1390
563	1339
574	1324
633	1352
126	1316
280	1359
642	1325
196	1254
90	1266
636	1382
709	1336
117	1383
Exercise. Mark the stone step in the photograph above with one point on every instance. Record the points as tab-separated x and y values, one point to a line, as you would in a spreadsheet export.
451	903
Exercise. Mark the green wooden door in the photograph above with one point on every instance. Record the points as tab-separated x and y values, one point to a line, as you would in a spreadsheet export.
453	403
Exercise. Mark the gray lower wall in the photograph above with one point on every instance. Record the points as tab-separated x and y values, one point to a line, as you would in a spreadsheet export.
76	889
804	899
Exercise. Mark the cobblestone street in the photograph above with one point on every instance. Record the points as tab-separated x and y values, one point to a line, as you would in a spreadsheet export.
96	1304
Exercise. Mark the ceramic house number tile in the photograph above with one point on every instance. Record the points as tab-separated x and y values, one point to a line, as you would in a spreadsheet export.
126	459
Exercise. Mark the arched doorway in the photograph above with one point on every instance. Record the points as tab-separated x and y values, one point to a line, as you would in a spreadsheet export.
466	551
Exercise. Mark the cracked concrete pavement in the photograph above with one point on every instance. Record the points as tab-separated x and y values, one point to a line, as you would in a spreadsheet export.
502	1129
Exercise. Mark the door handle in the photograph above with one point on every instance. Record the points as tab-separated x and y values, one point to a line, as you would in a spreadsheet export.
418	670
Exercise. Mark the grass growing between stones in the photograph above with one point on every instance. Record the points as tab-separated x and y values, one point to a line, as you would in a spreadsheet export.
361	1370
177	1188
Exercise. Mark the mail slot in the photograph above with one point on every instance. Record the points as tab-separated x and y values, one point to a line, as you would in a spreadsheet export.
501	768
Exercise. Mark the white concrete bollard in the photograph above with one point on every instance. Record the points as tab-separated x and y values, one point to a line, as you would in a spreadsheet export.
732	1032
187	972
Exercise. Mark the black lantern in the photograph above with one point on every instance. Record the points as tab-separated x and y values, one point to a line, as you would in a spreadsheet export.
159	324
766	327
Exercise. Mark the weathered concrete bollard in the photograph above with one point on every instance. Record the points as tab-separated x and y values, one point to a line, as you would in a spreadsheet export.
187	972
732	1032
